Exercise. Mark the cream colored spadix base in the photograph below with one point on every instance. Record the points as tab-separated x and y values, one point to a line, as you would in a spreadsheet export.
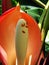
21	41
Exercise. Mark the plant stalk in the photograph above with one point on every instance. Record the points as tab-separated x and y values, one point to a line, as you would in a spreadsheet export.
39	3
6	4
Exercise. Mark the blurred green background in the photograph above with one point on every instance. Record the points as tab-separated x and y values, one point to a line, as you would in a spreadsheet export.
23	2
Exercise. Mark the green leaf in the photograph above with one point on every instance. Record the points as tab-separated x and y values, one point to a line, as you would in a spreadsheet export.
35	12
14	2
35	16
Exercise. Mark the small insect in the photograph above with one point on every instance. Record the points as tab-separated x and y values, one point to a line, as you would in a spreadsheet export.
23	24
23	31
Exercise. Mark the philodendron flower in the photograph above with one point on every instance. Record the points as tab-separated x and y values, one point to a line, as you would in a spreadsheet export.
8	23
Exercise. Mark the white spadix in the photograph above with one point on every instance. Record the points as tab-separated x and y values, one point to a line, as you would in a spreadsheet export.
21	40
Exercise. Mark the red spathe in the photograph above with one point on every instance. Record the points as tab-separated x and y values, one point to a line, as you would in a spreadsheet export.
8	22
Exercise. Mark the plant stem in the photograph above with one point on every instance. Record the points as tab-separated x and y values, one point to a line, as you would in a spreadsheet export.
45	11
6	4
47	5
39	3
46	21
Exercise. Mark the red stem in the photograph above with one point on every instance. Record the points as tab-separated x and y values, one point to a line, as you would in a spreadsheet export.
6	4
